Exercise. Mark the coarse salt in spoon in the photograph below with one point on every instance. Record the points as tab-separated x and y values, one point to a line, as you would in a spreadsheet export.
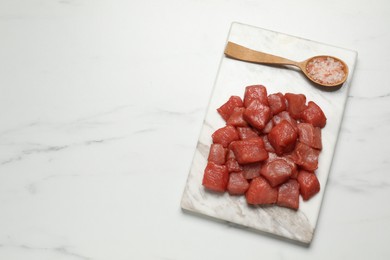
323	70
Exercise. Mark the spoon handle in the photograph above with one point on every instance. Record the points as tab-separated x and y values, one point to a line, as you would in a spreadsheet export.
239	52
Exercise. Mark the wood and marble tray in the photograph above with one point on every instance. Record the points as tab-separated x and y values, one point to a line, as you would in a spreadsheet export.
233	76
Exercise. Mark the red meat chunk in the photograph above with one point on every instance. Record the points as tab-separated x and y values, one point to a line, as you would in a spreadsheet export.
284	115
237	117
215	177
308	184
314	115
237	184
225	135
260	192
287	158
296	103
217	154
251	170
277	103
249	151
233	166
310	135
231	162
227	109
257	114
246	133
294	167
305	156
283	137
230	155
288	194
255	92
276	172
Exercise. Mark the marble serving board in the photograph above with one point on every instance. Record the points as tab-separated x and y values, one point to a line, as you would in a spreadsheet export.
233	76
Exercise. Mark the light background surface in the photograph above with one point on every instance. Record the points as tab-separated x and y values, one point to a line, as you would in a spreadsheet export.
101	107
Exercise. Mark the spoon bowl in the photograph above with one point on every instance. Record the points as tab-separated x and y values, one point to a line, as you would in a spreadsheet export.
324	70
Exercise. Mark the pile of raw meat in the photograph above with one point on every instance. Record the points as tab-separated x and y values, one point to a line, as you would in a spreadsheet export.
268	150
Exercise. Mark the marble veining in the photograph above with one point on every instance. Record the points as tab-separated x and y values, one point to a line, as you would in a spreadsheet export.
60	251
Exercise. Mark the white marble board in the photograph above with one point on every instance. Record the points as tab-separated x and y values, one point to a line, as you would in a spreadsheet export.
233	76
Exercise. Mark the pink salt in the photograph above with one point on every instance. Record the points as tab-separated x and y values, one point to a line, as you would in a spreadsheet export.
326	70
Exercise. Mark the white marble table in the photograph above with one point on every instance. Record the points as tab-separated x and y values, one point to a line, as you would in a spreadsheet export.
101	106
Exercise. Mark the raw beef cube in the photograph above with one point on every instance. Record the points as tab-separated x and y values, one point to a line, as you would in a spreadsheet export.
294	167
230	155
217	154
296	103
308	184
314	115
255	92
225	135
287	158
227	109
251	170
283	137
310	135
237	117
276	172
260	192
233	166
246	133
277	103
288	194
231	162
237	184
249	151
305	156
257	114
284	115
215	177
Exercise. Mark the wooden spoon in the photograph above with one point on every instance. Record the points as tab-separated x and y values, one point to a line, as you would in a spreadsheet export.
324	70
